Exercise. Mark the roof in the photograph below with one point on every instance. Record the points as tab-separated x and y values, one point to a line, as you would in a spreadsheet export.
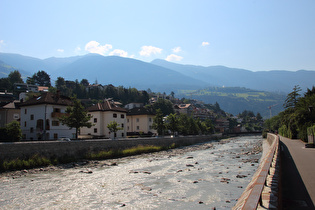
182	106
140	111
106	106
48	98
11	105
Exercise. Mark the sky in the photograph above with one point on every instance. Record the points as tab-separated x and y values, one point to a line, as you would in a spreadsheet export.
257	35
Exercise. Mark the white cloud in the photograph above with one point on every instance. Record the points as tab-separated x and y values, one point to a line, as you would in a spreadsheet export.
173	57
95	47
176	49
205	44
61	50
120	53
149	50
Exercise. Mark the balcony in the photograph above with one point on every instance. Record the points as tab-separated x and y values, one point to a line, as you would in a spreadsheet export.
58	114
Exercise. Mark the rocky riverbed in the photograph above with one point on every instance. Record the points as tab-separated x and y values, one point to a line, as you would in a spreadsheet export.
203	176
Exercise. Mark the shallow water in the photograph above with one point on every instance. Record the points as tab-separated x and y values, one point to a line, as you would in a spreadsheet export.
184	181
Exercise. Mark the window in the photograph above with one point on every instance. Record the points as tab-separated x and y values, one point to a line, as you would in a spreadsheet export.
122	116
55	135
25	111
95	130
114	115
137	119
40	124
32	117
150	119
95	120
25	124
16	116
57	110
32	130
127	120
138	128
122	134
122	125
55	123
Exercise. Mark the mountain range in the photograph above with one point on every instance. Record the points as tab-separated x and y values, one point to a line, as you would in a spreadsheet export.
163	76
159	75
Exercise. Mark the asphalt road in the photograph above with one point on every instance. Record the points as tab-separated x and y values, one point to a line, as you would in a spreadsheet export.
298	175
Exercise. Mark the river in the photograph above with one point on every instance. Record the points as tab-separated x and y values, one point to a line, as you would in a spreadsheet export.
207	176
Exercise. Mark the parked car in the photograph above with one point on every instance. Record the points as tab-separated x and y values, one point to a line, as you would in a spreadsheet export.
64	139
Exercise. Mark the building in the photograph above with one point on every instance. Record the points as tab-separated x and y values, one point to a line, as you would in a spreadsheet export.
140	120
9	112
184	109
39	117
102	114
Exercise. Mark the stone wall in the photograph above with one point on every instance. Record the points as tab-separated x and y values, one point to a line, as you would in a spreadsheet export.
78	149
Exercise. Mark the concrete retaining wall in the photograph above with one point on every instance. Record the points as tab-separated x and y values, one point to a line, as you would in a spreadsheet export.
263	191
9	151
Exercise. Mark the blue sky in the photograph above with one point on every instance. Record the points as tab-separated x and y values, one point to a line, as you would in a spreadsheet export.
252	34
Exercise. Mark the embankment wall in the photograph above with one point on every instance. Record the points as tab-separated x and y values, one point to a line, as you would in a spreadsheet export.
78	149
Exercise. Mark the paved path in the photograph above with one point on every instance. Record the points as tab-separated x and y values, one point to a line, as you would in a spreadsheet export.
298	175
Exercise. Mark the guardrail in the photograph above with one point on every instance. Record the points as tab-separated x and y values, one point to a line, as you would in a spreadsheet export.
262	191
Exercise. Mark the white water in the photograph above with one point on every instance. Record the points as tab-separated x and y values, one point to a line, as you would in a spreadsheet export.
162	182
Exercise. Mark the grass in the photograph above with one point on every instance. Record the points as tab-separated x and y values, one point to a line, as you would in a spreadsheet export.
41	161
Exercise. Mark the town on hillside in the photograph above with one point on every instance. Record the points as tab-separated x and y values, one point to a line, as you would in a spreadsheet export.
73	109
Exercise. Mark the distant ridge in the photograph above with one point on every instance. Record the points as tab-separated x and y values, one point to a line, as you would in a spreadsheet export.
159	75
275	81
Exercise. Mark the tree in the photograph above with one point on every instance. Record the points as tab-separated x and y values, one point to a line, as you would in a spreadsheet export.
15	77
113	127
164	105
76	117
11	132
292	98
40	78
158	122
172	123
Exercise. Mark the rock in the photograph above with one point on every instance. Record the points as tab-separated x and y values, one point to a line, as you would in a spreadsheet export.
189	165
190	157
123	205
196	163
240	176
146	172
226	180
179	171
195	182
200	202
146	188
239	186
228	201
114	164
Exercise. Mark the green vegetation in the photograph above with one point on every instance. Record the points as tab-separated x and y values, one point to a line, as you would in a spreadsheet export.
32	162
41	161
237	99
76	116
11	132
298	118
113	127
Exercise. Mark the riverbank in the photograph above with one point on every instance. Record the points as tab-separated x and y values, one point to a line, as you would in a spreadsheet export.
87	166
202	176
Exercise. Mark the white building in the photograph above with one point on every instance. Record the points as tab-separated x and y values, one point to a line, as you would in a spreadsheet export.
140	120
39	117
102	114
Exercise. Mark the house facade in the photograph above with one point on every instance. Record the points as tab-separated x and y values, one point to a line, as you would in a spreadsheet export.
140	120
9	112
103	114
40	117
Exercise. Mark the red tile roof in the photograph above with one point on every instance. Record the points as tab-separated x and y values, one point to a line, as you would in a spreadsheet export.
106	106
48	98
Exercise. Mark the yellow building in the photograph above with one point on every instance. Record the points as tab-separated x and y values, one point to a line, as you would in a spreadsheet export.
140	120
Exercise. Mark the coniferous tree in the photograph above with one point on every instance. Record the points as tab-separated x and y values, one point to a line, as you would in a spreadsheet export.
76	117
